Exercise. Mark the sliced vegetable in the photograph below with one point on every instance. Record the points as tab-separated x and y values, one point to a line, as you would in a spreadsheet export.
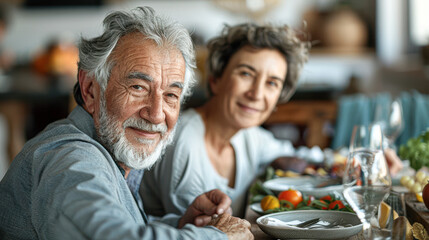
269	202
336	205
326	198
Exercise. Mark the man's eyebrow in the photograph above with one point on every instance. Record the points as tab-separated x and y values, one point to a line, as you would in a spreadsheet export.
140	75
177	85
143	76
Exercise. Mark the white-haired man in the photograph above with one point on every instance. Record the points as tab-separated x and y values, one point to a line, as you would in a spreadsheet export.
69	181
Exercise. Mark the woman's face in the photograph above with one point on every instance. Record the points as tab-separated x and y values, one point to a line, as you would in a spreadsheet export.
250	86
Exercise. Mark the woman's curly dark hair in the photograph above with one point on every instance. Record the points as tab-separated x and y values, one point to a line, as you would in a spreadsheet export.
281	38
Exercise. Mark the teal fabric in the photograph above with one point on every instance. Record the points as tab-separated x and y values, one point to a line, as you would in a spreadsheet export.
416	112
360	109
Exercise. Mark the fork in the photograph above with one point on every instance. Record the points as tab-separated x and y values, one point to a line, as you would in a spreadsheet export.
307	223
330	225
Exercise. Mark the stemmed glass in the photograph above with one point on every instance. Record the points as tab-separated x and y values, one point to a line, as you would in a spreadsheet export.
366	179
391	120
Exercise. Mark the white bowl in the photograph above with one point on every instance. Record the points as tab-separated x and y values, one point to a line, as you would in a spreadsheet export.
290	232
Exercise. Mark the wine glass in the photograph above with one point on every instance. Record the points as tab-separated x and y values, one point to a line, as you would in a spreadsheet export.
391	120
366	179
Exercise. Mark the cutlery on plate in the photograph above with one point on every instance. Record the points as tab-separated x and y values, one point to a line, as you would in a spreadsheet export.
330	225
307	223
278	222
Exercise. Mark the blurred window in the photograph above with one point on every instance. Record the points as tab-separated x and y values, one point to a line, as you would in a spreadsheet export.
419	22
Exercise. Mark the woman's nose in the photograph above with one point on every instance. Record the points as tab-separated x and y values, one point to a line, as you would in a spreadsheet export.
257	89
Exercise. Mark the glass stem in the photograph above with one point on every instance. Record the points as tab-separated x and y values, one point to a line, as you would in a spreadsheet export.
367	232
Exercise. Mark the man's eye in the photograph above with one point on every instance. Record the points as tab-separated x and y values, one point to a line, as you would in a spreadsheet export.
137	87
172	95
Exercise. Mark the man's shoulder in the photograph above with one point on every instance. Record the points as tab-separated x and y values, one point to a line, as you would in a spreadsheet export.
59	133
62	138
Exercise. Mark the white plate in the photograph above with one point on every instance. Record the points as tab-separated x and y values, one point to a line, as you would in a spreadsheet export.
305	185
256	207
289	232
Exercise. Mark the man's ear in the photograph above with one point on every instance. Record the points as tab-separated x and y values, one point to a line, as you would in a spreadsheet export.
88	90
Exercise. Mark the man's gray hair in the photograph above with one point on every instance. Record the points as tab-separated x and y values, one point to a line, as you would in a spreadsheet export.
94	53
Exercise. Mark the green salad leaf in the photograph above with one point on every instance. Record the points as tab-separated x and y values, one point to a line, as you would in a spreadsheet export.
416	150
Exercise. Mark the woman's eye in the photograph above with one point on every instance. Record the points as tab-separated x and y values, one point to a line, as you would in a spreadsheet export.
273	83
245	74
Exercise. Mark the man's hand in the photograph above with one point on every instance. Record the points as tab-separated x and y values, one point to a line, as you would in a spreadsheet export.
235	228
202	209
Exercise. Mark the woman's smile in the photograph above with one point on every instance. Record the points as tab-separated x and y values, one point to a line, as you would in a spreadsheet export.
248	109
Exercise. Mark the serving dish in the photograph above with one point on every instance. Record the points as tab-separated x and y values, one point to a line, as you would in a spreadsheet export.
256	207
306	185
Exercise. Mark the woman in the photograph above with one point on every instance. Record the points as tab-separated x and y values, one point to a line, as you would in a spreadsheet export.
220	145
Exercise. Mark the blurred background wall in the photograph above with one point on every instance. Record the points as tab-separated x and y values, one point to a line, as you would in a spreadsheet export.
361	46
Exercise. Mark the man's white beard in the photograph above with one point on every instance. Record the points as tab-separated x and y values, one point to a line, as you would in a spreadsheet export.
112	136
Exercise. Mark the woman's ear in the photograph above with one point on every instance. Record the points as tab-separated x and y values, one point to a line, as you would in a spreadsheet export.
213	82
88	90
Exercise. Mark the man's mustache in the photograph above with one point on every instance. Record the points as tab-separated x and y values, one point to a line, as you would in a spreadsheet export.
145	125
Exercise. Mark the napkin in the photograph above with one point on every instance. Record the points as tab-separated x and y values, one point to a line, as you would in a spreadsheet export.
269	221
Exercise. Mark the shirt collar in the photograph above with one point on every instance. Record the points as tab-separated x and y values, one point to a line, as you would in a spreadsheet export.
85	122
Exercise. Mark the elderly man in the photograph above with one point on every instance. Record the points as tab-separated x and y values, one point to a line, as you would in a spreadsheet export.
69	181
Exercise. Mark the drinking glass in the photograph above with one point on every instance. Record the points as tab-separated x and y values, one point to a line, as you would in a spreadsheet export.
391	120
366	179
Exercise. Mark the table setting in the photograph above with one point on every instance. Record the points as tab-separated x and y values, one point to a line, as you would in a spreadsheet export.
359	203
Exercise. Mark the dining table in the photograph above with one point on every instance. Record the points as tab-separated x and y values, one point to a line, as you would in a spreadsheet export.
415	212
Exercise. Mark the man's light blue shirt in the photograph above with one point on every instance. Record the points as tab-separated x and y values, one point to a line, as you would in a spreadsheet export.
65	185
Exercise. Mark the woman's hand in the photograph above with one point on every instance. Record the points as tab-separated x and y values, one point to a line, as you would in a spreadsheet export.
394	162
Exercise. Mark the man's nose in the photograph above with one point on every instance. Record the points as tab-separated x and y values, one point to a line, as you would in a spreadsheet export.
153	111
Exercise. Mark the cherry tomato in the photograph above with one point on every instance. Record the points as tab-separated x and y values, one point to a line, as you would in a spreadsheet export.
336	203
326	198
292	196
